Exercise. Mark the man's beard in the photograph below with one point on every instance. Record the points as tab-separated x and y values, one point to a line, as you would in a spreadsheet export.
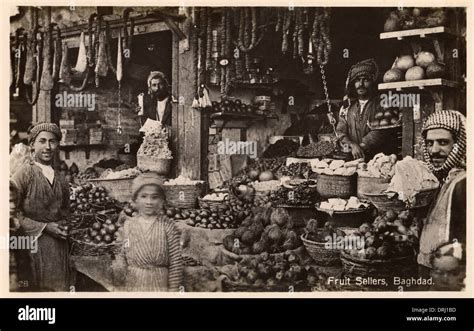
160	95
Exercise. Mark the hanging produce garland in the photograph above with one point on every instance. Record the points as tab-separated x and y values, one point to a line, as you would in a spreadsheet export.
18	55
108	40
119	76
35	70
57	54
320	36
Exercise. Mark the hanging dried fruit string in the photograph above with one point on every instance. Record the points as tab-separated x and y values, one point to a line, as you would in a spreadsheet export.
33	66
230	73
18	54
203	17
287	21
209	40
195	48
238	56
108	39
278	26
300	28
57	53
320	36
223	44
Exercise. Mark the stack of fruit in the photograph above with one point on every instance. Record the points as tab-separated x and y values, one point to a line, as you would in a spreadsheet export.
227	215
407	67
103	230
267	271
236	106
90	199
256	166
391	235
301	194
295	170
391	116
411	18
270	230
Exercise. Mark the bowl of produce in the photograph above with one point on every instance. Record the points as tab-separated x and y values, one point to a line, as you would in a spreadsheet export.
350	212
389	246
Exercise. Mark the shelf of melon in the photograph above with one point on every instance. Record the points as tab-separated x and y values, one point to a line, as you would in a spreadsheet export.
434	86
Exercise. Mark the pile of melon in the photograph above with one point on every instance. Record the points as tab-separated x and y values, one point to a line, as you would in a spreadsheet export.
409	68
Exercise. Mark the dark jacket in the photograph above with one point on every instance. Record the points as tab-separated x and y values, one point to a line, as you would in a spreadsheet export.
353	125
149	110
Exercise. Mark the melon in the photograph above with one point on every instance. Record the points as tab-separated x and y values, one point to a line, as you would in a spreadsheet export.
253	174
435	70
415	73
265	176
405	62
393	75
424	59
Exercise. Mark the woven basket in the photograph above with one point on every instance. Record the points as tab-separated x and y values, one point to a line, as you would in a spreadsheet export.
156	164
336	186
319	253
383	202
120	189
82	248
182	196
203	204
353	266
371	185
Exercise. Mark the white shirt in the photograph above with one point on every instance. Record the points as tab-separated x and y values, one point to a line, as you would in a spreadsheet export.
160	109
362	104
48	172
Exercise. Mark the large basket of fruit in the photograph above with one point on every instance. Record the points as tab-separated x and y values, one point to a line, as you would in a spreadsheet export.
216	200
384	248
322	243
386	268
182	192
288	271
99	239
385	202
152	163
119	189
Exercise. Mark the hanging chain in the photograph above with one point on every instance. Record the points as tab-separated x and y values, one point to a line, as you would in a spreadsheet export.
119	120
331	118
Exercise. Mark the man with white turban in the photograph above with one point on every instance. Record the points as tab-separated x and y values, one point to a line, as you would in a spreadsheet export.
444	149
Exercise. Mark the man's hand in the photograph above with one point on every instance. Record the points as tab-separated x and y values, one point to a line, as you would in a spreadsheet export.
54	230
357	151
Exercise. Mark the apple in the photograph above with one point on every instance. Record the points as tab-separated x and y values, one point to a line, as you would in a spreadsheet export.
111	228
103	232
96	226
108	238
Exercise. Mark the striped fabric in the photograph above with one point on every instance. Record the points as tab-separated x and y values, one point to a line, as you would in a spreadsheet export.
153	255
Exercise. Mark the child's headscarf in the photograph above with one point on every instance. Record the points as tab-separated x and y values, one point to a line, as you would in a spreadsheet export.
148	178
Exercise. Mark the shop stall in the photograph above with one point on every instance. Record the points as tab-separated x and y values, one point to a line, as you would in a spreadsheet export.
264	191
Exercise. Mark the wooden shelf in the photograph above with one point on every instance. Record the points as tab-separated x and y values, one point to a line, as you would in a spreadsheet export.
422	33
417	84
67	148
237	120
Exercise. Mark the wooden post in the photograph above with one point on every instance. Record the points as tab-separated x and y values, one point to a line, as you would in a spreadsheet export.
188	125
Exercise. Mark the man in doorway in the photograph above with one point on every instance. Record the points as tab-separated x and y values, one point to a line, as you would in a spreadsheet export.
157	102
444	149
352	128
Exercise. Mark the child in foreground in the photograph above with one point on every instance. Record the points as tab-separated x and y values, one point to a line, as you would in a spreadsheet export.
151	255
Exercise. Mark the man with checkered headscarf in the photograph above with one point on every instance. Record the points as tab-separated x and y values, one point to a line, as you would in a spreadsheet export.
444	149
353	129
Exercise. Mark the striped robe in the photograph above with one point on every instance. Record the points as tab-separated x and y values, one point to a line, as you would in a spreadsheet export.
152	255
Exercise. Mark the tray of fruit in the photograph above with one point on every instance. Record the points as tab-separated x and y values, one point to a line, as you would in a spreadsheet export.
271	273
344	206
383	126
101	238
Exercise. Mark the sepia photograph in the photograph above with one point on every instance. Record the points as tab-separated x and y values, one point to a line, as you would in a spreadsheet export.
237	149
